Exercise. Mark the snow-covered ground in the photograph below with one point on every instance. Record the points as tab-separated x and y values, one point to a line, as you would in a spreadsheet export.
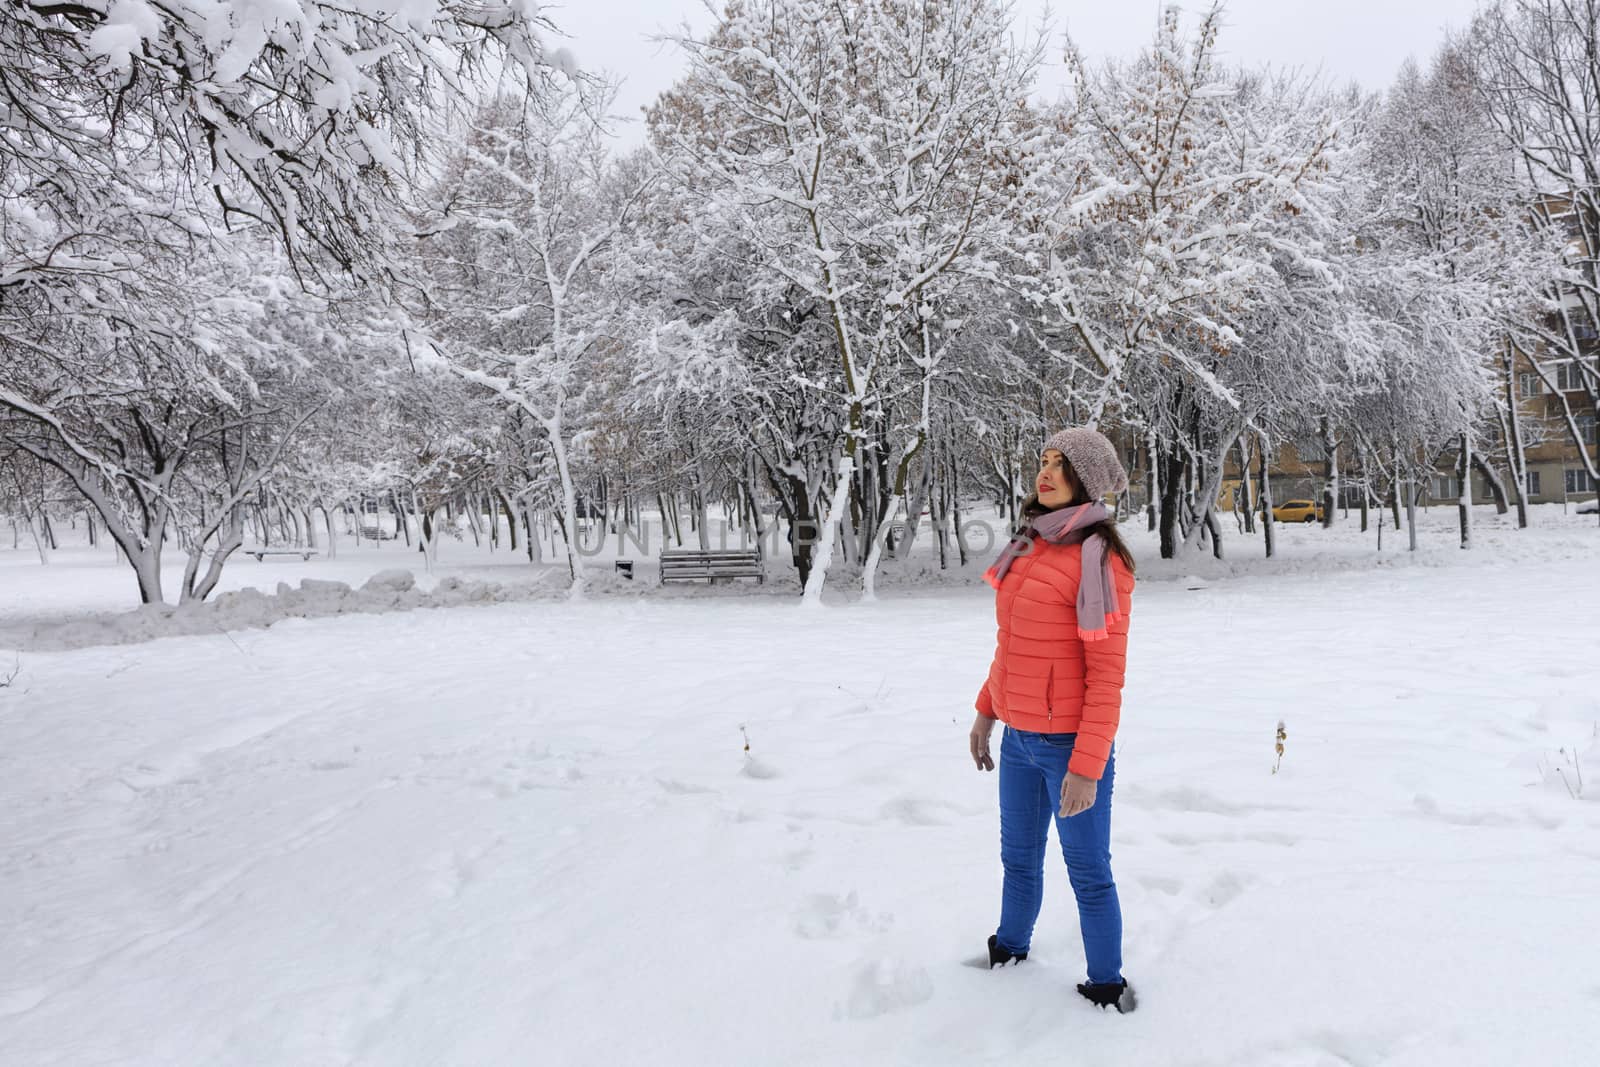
531	833
86	596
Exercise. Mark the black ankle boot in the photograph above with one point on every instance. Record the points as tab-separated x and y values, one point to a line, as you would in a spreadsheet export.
1117	995
999	957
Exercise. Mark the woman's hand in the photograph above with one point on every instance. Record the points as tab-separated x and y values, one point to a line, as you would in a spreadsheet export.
1077	794
978	742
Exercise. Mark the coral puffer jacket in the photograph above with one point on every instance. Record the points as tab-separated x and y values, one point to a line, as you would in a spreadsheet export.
1044	677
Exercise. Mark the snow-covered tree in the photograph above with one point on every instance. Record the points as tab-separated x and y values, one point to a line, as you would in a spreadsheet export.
857	152
154	152
1537	74
166	428
1459	239
526	229
1189	197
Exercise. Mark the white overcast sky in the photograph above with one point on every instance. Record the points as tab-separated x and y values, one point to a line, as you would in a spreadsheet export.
1347	40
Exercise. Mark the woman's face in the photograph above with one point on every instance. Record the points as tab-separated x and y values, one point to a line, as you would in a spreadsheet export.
1056	485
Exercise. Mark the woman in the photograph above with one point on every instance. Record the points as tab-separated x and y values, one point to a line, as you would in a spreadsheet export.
1063	591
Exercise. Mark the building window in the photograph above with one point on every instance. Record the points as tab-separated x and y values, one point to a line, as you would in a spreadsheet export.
1533	484
1569	376
1445	487
1530	384
1579	482
1586	428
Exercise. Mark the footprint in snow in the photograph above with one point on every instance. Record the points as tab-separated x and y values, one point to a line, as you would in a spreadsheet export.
1223	890
882	986
915	811
1265	837
677	788
1189	799
825	915
1170	886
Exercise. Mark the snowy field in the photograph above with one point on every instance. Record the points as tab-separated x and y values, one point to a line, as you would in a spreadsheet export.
529	832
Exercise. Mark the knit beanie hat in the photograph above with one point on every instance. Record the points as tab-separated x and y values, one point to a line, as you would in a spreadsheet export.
1092	458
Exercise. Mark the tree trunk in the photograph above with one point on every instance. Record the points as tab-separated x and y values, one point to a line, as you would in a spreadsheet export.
849	526
511	516
400	520
530	534
1209	480
1411	514
955	504
677	519
1330	473
757	523
333	539
1246	489
702	516
1172	490
897	497
1152	490
1511	425
427	531
569	508
1366	489
832	530
1268	523
147	570
914	510
1464	500
1216	533
230	535
41	542
791	488
1497	487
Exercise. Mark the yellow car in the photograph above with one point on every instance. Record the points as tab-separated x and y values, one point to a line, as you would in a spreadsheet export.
1298	511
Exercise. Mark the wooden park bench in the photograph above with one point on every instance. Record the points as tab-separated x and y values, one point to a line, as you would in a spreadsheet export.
262	553
685	565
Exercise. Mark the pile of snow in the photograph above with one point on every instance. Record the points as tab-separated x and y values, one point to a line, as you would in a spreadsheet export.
251	609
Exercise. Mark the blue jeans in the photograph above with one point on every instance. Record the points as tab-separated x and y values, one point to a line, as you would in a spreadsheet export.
1032	767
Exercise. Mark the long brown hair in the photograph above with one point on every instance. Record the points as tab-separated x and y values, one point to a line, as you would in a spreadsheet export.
1106	528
